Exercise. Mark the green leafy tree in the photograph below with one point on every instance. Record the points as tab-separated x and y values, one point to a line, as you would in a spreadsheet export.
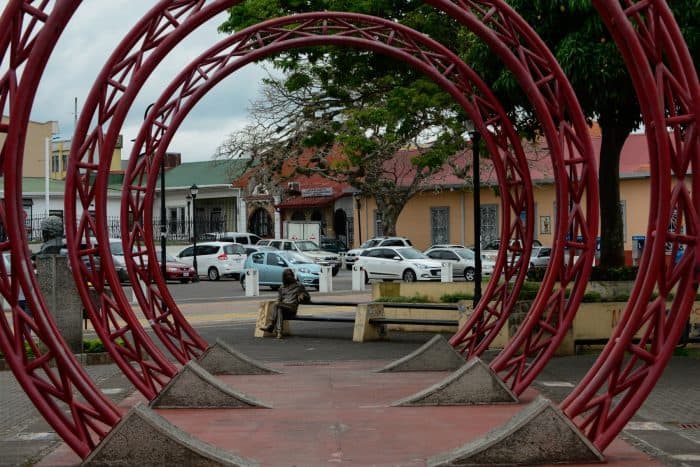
571	28
578	38
366	106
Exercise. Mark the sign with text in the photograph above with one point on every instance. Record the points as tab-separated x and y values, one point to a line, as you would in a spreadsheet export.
318	191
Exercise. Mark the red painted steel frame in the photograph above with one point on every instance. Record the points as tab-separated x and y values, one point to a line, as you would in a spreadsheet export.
54	381
261	40
667	86
551	95
567	134
685	142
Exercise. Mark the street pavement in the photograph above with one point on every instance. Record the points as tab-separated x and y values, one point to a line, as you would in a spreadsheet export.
667	426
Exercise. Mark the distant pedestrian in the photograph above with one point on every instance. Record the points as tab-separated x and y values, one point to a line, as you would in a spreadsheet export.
290	295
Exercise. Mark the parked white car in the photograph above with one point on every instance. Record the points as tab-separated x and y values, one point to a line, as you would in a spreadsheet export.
398	263
352	255
490	249
462	260
308	248
539	258
215	259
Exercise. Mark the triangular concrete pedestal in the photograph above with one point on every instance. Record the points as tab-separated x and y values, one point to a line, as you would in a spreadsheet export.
474	383
222	359
540	434
193	387
142	437
435	355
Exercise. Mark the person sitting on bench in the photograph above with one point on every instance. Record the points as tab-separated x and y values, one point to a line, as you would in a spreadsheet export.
290	295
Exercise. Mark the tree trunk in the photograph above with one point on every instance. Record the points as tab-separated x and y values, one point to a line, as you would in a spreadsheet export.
612	238
390	207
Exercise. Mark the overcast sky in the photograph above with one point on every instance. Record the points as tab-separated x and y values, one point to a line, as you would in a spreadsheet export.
91	36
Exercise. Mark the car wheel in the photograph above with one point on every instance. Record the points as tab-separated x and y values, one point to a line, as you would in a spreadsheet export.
348	267
335	270
409	275
469	274
274	288
243	281
184	281
366	277
213	274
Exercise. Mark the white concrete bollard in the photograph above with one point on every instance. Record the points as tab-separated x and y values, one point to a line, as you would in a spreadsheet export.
252	283
358	278
446	272
325	279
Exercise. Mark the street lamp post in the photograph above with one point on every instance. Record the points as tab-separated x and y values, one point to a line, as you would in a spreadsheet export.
189	199
194	189
359	220
163	229
476	138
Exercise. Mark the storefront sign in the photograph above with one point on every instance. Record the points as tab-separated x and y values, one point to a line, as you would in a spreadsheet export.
319	191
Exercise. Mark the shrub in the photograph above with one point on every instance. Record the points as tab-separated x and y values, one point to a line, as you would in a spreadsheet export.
455	297
592	297
414	299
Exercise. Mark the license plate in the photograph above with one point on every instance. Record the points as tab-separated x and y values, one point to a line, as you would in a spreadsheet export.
185	274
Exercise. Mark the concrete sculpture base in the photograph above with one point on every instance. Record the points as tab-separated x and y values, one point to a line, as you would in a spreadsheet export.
193	387
474	383
143	437
435	355
222	359
540	434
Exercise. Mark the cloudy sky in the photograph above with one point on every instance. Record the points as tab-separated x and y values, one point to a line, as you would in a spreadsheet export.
93	33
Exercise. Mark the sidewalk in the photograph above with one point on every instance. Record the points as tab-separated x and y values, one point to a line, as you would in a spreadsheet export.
667	426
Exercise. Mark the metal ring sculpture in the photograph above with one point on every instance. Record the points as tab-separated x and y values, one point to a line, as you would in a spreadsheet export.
12	18
553	96
667	86
54	381
237	50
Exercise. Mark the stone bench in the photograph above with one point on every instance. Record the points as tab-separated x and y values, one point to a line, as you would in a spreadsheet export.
370	322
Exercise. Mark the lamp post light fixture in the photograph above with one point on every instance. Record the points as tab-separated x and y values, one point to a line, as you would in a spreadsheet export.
194	189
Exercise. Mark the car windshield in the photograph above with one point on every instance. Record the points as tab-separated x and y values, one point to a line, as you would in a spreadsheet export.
116	248
307	245
411	253
296	258
370	243
171	259
464	253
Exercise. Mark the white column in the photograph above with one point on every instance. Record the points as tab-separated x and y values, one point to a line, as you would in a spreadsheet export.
358	278
47	156
325	280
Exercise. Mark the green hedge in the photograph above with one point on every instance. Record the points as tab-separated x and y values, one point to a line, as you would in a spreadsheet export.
624	273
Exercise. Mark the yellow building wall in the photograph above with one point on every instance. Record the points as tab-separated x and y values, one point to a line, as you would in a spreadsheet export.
415	222
34	152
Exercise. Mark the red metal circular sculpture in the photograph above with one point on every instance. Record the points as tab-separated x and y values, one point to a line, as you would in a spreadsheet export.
669	94
210	68
685	132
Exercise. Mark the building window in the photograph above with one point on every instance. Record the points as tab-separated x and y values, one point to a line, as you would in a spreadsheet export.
378	227
489	223
172	218
55	164
215	223
64	158
260	223
440	225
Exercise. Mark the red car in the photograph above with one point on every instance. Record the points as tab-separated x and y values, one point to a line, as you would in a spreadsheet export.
177	271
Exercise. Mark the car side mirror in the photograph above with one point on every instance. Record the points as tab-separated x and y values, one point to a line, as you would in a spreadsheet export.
396	258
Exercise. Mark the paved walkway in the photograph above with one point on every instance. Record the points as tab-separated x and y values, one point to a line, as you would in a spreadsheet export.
667	427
